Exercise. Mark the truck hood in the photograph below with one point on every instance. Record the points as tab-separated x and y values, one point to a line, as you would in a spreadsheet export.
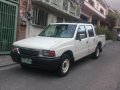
40	42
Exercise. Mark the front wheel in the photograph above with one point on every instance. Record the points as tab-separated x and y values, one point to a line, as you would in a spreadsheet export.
64	65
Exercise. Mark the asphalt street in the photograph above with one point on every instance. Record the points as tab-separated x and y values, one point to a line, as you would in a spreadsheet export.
88	74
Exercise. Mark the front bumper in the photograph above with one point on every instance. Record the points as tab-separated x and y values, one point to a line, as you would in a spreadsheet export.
37	62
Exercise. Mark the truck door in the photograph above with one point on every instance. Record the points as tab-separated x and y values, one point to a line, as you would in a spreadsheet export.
91	39
81	49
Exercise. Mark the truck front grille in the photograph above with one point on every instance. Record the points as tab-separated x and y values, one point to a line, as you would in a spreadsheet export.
28	52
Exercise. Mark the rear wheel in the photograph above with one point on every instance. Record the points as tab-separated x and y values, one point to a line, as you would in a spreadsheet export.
64	65
97	52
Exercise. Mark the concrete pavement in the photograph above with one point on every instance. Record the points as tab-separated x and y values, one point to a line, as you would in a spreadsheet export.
88	74
5	60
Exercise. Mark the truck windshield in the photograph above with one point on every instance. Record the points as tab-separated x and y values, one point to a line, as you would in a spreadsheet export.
59	30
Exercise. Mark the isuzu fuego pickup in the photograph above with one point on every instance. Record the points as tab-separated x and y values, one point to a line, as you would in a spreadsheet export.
58	46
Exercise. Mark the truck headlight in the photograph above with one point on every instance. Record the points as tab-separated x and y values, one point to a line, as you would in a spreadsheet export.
15	49
47	53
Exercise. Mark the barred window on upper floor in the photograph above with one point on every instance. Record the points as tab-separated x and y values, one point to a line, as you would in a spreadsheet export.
65	5
40	17
101	10
92	3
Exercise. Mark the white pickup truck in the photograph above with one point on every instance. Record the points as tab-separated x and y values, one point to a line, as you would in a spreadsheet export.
58	46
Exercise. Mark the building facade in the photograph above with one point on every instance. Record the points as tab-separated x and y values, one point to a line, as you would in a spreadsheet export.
21	32
43	12
94	11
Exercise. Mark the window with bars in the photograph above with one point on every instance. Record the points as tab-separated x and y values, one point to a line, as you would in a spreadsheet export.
40	17
65	5
92	3
101	10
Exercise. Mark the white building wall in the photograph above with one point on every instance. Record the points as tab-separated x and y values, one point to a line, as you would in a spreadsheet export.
34	30
52	18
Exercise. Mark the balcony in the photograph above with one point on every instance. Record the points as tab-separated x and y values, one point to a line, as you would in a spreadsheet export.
92	10
69	7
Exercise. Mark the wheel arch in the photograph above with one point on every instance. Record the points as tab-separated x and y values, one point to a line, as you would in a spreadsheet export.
70	53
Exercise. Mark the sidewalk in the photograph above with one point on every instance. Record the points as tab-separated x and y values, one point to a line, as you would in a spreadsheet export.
5	60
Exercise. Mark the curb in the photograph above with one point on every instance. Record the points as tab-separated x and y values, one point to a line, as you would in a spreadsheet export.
8	65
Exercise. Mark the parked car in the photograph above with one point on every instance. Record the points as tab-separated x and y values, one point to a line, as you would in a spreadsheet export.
58	46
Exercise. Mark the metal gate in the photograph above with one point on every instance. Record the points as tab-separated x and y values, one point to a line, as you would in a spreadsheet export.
8	24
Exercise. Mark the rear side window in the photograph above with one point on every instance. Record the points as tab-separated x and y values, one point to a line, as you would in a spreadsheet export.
82	31
90	30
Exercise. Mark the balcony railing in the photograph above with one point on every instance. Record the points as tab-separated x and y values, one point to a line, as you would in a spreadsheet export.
86	3
71	7
67	6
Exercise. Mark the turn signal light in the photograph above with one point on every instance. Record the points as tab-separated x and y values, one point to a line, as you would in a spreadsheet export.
51	53
14	48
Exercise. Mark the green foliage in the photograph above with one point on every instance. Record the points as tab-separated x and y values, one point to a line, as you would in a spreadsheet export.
111	19
112	15
106	32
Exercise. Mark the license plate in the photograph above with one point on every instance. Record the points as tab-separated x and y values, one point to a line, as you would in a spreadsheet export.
26	60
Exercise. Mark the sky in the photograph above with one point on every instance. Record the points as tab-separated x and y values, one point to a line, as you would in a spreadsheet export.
115	4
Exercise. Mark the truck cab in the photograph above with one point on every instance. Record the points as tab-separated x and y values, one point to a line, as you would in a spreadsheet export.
58	46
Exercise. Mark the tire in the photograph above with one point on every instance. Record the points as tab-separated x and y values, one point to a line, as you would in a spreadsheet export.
97	52
23	66
64	65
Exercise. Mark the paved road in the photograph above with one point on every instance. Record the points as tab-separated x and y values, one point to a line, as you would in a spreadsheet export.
88	74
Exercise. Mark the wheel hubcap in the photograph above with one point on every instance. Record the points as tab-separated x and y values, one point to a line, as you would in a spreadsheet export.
65	66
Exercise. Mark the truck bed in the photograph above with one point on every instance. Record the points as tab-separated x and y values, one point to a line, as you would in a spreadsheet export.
102	39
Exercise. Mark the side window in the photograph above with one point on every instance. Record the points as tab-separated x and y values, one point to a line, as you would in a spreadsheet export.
82	32
90	31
